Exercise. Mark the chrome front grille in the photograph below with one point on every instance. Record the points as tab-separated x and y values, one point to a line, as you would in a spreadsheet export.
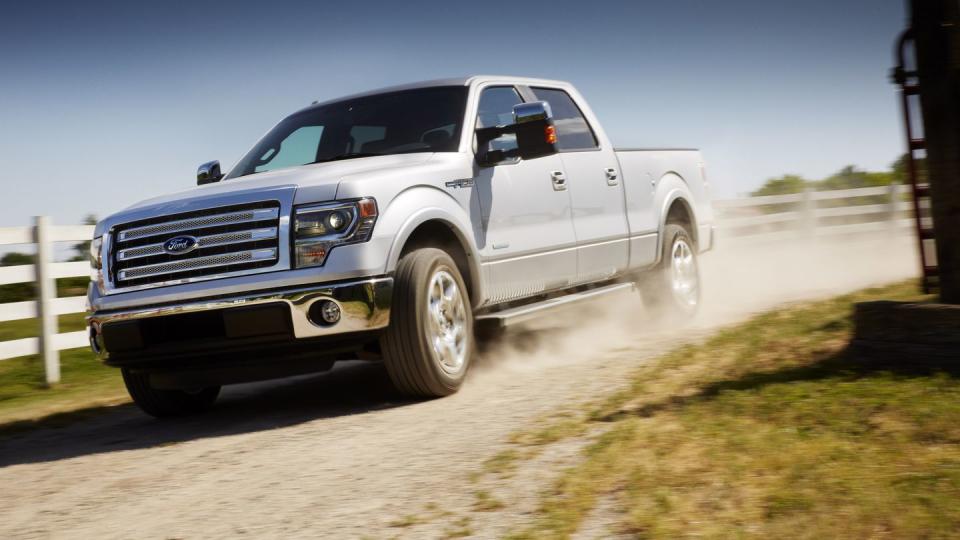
228	240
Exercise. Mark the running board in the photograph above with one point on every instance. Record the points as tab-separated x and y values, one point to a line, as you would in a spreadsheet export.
526	312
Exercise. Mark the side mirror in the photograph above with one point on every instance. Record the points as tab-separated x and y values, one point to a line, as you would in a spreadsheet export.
536	134
533	128
209	173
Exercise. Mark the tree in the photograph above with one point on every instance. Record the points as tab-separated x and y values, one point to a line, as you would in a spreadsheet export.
16	292
899	170
83	248
15	259
784	185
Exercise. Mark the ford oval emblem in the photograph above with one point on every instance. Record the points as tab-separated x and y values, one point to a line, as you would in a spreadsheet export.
180	245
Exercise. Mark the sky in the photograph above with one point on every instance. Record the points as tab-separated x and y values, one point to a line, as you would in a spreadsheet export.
103	104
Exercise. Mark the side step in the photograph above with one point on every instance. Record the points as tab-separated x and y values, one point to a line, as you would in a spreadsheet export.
526	312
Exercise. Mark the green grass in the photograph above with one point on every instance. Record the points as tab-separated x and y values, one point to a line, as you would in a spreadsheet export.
24	397
773	428
86	384
25	328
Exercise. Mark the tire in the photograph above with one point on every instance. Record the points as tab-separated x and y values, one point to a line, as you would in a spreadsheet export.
429	344
167	403
672	289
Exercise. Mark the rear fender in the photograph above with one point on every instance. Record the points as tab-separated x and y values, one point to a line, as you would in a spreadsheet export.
672	189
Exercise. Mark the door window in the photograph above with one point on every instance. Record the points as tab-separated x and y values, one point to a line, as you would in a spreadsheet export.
496	109
573	131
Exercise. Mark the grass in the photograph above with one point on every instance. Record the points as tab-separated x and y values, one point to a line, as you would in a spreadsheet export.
502	463
408	520
86	383
460	529
25	401
25	328
772	428
485	502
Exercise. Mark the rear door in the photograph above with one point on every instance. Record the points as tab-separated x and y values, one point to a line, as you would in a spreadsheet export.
596	190
529	244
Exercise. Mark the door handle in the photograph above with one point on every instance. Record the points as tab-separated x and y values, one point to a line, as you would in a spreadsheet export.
559	181
611	176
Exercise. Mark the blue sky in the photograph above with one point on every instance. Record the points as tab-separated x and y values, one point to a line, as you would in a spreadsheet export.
103	103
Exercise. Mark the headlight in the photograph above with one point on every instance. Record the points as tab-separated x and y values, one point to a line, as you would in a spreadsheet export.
96	262
318	228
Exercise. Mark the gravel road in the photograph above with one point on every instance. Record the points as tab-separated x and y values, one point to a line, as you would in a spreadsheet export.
339	455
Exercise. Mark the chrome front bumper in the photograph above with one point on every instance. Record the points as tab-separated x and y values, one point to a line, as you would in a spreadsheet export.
364	305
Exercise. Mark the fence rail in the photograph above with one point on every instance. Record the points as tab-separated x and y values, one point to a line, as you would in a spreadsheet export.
815	213
44	273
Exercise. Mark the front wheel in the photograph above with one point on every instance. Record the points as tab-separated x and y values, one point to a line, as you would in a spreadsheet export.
672	289
163	403
428	347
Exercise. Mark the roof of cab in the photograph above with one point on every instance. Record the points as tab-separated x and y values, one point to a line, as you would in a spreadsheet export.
454	81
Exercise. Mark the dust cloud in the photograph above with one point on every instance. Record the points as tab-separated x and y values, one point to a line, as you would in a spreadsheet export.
739	278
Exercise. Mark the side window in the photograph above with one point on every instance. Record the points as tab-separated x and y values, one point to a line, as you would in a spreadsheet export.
496	109
573	131
299	148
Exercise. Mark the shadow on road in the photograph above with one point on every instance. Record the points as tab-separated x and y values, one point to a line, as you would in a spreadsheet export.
350	388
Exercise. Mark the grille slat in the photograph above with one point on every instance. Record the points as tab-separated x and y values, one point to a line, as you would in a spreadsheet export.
229	239
199	263
215	240
201	222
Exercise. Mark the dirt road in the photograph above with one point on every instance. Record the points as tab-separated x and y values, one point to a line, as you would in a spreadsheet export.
339	455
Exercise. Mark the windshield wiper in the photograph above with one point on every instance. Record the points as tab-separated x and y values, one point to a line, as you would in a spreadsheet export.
348	155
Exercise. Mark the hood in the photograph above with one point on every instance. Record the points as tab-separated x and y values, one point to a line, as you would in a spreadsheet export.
320	177
309	183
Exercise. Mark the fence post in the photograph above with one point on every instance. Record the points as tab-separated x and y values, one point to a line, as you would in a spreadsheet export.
892	192
808	210
46	292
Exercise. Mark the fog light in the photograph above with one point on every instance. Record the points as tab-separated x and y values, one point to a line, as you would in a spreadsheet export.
325	313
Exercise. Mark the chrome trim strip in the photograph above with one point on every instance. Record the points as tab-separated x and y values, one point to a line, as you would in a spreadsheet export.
199	263
364	305
214	240
199	222
526	312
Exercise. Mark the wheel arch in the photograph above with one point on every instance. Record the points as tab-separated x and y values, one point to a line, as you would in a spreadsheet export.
676	207
432	228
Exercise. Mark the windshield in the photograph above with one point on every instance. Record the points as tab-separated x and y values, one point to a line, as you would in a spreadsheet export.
421	120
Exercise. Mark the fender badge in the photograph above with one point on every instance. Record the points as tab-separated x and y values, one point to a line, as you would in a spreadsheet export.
464	183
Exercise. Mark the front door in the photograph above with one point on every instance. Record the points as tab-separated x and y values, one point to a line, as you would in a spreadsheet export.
528	243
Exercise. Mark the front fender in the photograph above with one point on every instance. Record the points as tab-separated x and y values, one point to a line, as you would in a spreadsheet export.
418	205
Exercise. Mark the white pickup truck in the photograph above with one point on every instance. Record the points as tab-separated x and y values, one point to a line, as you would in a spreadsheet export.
390	226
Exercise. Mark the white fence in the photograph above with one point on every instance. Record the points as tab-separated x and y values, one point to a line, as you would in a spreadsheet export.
47	306
777	217
816	213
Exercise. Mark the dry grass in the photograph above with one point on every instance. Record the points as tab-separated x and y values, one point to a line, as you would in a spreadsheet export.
773	429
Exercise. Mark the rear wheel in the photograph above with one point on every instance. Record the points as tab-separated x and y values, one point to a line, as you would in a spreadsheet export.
163	403
428	347
672	289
